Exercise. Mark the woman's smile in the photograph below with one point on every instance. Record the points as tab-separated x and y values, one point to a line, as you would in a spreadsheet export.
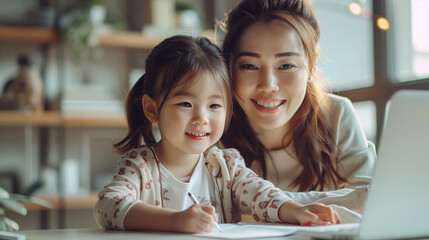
268	105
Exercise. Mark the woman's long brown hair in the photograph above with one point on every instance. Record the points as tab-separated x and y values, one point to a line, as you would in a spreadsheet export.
312	136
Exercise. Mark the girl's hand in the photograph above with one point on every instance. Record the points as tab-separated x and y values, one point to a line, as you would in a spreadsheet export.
307	215
196	219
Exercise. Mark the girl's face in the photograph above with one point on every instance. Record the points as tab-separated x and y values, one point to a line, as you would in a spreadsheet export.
271	74
193	116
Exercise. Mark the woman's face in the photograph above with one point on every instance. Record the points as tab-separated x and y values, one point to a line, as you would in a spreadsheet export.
271	73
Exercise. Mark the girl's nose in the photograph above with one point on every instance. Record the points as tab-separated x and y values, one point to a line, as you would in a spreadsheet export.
268	82
200	118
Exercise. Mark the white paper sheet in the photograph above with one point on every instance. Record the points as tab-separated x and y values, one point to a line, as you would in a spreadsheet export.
243	231
263	230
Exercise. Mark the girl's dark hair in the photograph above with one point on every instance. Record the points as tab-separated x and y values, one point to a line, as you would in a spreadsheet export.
312	137
176	60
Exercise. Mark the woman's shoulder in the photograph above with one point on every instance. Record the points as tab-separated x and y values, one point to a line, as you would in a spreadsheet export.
341	109
339	103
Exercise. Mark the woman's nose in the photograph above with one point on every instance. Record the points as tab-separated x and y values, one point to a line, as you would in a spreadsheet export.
268	82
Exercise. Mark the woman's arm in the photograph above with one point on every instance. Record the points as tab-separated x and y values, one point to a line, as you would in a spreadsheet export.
357	155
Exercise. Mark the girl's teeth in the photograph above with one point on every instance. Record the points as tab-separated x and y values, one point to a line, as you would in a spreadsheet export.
269	104
197	134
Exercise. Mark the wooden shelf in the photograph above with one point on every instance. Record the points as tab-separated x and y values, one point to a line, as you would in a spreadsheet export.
28	34
68	202
55	118
19	118
73	119
128	40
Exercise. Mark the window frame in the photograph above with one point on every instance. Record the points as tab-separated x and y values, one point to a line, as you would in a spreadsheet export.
384	87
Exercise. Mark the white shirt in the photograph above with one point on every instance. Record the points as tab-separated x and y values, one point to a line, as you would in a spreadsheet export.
356	153
175	191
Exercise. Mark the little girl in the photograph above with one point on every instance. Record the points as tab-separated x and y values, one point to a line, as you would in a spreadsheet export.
187	93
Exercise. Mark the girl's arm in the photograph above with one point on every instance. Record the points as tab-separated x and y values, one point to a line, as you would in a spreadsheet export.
316	213
268	203
196	219
250	193
130	201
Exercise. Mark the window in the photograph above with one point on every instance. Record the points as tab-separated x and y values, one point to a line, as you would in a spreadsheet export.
408	40
346	56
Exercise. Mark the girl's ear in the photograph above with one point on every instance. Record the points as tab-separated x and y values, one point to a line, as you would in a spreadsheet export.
149	108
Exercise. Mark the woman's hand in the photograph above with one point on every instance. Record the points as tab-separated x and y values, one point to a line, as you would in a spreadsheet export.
307	215
196	219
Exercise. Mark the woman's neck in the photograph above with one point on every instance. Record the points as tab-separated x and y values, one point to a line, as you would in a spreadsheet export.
179	163
272	139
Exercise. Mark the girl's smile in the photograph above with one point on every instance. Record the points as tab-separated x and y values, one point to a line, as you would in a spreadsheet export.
198	135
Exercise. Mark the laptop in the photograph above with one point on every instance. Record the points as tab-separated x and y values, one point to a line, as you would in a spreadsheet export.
397	205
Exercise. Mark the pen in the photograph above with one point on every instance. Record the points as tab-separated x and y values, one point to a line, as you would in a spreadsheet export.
196	202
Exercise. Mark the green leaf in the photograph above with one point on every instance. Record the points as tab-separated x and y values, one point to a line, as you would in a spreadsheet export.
15	206
3	193
4	226
10	224
33	200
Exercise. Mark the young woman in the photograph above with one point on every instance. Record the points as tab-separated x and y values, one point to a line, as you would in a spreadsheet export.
287	129
186	91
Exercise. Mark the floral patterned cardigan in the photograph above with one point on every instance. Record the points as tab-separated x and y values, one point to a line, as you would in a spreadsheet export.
238	189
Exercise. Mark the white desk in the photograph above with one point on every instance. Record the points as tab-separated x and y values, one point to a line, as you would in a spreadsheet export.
98	234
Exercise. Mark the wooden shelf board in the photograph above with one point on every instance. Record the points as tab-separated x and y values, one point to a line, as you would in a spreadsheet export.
73	119
28	34
67	202
128	40
19	118
55	118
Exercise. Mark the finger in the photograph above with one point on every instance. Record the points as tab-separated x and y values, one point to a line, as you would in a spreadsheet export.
208	209
310	218
206	224
328	215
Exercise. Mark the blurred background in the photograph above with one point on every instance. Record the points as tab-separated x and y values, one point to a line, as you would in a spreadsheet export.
76	60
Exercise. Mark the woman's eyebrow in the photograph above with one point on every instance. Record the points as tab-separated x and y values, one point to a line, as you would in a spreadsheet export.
287	54
249	54
257	55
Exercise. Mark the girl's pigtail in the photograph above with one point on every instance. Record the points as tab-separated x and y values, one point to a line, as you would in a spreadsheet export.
138	125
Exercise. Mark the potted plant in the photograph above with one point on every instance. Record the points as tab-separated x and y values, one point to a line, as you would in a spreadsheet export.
82	26
14	203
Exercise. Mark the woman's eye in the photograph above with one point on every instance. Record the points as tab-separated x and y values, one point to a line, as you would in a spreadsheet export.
248	66
214	106
286	66
185	104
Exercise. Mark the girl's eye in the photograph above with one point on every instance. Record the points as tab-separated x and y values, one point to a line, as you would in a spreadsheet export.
214	106
286	66
185	104
248	66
